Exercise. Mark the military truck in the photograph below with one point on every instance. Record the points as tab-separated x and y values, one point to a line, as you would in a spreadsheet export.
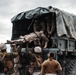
62	28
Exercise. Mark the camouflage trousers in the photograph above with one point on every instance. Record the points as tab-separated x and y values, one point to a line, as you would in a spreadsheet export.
16	71
20	70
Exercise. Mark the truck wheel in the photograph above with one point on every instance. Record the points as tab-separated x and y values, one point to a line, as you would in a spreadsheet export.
70	67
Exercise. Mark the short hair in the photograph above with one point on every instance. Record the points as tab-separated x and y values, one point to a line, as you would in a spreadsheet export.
51	54
13	45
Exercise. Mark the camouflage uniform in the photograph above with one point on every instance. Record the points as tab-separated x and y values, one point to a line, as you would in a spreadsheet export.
9	63
39	25
16	65
22	63
40	36
15	49
39	60
3	53
50	24
1	64
31	63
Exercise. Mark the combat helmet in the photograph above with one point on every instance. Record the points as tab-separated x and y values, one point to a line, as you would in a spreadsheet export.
3	47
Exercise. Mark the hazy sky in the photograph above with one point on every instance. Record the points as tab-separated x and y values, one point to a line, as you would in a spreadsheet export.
9	8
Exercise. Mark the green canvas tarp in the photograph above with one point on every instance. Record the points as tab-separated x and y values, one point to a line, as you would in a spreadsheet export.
30	14
65	22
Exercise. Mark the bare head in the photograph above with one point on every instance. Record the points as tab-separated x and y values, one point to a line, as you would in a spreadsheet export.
51	55
13	45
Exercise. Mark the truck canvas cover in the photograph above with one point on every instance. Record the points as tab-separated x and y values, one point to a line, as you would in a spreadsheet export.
65	22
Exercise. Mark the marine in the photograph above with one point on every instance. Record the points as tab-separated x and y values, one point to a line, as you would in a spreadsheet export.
7	60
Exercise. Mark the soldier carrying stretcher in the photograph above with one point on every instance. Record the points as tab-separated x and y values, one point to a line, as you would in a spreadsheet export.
7	60
31	37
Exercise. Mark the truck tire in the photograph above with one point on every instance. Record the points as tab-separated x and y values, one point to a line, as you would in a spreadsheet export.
70	67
